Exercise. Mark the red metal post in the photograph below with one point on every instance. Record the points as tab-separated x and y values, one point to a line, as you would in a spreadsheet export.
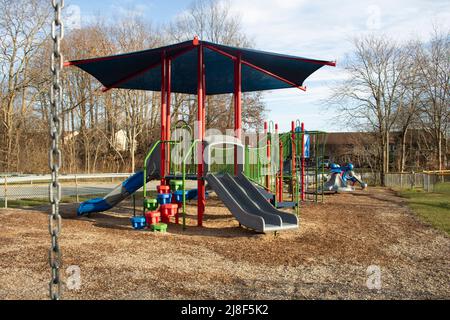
276	173
163	117
303	161
293	154
201	202
168	102
266	132
204	101
237	107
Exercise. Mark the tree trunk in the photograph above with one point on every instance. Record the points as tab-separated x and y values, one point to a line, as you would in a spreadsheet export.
383	162
403	150
387	146
439	150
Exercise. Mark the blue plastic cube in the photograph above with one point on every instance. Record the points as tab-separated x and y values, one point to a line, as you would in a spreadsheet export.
164	198
138	223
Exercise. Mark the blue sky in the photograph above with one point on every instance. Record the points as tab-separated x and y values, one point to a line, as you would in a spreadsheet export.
315	29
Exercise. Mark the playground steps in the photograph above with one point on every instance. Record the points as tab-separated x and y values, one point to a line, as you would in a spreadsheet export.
271	197
286	204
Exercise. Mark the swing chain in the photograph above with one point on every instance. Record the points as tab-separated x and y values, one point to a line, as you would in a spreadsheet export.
57	34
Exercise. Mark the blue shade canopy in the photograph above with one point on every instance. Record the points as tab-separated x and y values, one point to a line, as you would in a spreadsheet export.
142	70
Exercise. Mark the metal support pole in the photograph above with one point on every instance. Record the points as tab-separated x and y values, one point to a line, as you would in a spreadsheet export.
280	184
316	171
163	117
201	201
303	161
266	132
5	185
293	154
237	107
76	188
323	167
168	66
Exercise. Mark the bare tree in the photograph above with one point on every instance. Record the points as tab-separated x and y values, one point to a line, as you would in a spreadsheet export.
408	104
212	20
132	34
372	93
22	33
433	60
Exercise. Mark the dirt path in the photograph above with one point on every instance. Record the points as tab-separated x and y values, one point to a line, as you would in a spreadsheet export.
326	258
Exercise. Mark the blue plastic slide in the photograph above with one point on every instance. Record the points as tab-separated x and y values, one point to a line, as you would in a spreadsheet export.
125	189
121	192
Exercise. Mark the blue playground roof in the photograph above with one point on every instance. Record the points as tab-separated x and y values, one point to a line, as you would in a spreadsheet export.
142	70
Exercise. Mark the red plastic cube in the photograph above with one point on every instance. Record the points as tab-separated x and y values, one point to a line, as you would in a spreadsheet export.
152	217
169	209
163	189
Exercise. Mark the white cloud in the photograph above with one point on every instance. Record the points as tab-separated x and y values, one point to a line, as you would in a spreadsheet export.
130	9
323	30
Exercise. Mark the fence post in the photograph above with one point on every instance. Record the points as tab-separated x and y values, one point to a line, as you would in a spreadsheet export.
76	188
5	185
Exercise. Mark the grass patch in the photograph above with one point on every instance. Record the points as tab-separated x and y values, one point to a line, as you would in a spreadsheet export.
431	207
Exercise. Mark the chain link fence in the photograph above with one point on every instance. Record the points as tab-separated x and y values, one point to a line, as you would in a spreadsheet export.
425	181
18	191
34	189
408	180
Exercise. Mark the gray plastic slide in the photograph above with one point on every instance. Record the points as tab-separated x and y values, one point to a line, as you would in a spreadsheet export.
248	205
336	184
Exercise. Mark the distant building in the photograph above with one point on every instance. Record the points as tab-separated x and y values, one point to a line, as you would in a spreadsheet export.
69	135
121	141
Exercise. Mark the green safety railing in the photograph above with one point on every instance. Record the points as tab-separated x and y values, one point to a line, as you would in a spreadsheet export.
149	154
183	178
254	171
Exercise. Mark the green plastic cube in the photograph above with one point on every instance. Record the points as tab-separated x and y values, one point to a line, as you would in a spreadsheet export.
150	204
176	185
159	227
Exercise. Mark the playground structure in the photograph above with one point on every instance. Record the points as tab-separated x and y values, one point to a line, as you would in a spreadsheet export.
125	73
341	177
297	170
262	166
219	69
